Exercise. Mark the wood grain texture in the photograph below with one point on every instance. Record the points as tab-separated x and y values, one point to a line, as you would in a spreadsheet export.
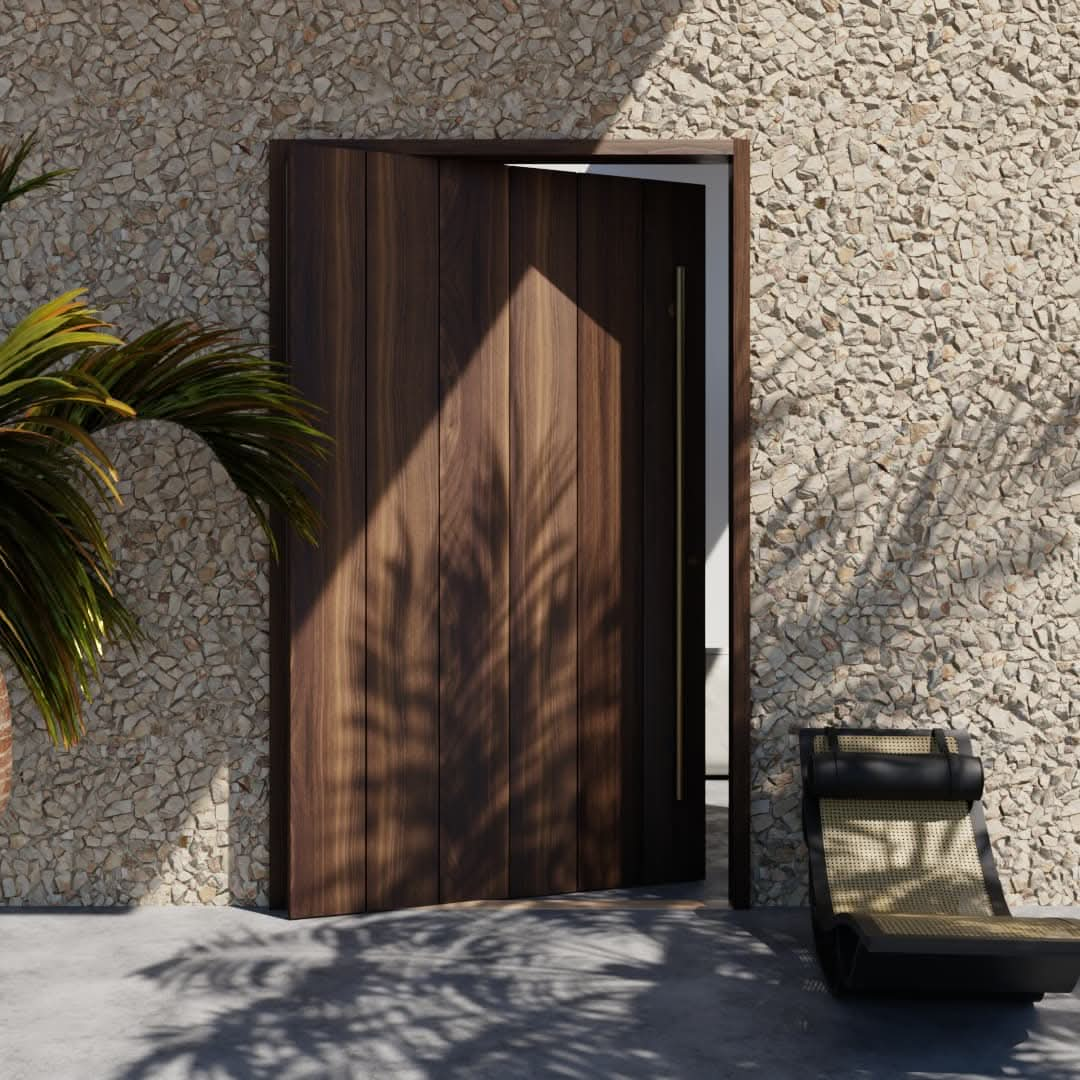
325	344
453	540
473	530
739	889
543	535
403	532
280	628
673	842
610	531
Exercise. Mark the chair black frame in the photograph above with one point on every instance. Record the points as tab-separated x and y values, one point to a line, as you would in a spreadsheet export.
855	959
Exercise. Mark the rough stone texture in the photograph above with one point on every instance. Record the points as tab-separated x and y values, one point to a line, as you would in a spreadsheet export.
165	799
916	307
5	746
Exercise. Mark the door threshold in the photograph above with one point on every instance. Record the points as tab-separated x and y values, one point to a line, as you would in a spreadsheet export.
586	904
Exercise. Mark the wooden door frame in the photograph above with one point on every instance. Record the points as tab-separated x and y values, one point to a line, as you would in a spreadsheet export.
627	151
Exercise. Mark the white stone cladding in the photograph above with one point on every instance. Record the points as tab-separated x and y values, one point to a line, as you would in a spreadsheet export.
915	172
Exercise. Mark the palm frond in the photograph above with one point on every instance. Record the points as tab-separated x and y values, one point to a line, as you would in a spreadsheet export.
12	159
56	606
55	329
241	404
57	609
50	333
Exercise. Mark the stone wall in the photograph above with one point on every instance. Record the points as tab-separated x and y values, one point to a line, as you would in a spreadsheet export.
916	307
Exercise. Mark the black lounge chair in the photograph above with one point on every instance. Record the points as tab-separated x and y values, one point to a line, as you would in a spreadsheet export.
904	893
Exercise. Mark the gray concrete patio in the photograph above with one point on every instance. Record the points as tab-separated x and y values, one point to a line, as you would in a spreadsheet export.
622	991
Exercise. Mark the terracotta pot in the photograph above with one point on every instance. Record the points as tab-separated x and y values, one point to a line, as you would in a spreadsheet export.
5	745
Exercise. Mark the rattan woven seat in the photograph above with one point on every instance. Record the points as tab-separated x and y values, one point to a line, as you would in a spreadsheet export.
905	896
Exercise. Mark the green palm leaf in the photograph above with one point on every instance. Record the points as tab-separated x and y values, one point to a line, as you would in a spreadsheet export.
47	334
239	403
53	556
63	378
56	606
12	160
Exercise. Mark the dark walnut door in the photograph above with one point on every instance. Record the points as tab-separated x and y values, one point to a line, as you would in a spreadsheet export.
487	677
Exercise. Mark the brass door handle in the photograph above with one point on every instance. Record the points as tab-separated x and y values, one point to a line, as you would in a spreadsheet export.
680	394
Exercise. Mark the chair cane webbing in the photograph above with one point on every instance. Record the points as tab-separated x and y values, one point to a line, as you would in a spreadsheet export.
882	744
904	857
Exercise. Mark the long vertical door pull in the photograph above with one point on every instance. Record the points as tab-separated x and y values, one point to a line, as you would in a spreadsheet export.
680	398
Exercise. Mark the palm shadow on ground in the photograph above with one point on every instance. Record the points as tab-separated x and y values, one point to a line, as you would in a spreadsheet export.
617	992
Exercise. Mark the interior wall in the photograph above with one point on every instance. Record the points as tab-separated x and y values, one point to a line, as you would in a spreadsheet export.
915	319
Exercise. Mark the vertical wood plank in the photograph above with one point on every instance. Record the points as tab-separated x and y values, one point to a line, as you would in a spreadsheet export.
610	531
403	575
739	890
543	535
324	337
280	628
673	831
473	530
691	849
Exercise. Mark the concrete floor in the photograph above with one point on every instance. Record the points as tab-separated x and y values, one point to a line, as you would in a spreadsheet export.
654	983
625	990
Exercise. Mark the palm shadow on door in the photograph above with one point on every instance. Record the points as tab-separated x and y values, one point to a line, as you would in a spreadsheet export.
499	720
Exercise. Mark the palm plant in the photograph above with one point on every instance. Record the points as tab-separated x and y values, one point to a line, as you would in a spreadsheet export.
63	378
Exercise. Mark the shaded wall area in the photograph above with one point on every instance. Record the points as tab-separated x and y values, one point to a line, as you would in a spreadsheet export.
916	312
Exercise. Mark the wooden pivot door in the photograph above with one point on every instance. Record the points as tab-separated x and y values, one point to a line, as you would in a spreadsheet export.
488	675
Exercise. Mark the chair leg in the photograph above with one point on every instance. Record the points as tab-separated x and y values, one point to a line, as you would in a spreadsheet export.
835	955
